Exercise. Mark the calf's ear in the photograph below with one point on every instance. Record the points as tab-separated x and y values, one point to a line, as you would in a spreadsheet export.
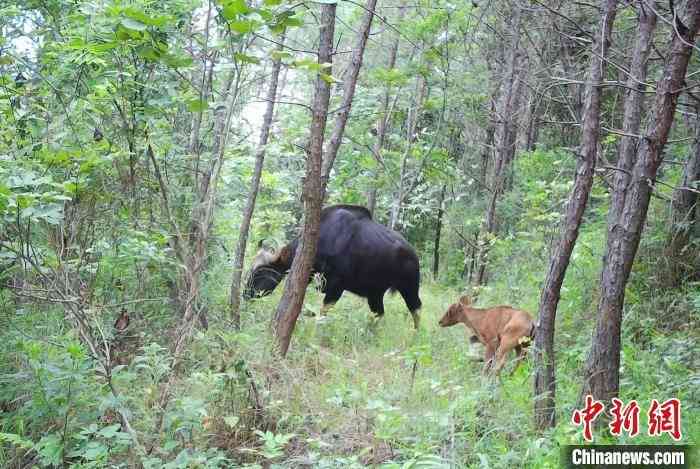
465	300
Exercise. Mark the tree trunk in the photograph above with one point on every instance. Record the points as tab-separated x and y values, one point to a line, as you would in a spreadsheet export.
383	121
411	123
488	147
194	145
202	215
683	217
239	257
506	135
602	374
396	206
372	200
632	118
438	229
532	120
545	384
295	287
349	83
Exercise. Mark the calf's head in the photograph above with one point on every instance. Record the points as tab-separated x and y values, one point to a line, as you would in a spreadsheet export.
451	316
267	271
455	312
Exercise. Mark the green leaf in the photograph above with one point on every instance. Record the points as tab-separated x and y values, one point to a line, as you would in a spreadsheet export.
16	440
271	3
75	350
235	8
147	18
330	79
95	450
196	105
293	21
50	449
147	52
177	61
133	24
310	64
6	60
110	431
124	34
246	58
280	55
285	20
100	47
243	26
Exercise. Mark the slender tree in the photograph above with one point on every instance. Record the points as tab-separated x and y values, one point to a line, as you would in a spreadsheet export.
634	99
411	122
239	256
438	230
684	215
602	374
545	382
349	84
312	193
384	116
505	137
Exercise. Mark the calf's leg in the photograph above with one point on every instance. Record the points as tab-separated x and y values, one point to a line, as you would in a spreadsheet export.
489	355
508	343
521	353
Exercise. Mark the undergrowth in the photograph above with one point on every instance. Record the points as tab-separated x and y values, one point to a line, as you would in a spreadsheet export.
352	392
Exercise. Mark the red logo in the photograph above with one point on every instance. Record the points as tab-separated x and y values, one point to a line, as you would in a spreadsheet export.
662	418
665	418
624	418
587	416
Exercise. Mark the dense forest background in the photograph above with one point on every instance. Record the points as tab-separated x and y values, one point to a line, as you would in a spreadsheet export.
544	154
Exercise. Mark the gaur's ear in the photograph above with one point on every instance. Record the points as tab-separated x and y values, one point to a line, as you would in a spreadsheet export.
465	300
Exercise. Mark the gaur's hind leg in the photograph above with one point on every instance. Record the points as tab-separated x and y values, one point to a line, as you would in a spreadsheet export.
410	296
376	303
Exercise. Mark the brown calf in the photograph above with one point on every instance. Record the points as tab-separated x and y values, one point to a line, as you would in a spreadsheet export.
500	329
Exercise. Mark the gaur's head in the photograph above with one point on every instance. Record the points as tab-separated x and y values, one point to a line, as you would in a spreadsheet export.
454	313
266	272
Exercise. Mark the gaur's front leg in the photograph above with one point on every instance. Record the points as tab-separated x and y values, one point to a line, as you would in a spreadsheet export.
331	298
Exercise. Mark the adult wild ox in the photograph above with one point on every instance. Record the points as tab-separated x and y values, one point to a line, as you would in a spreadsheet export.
354	253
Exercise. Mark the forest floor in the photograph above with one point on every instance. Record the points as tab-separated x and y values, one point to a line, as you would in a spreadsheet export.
352	392
355	392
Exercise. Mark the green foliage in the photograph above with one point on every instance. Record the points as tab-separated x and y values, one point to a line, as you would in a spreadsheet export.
86	230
